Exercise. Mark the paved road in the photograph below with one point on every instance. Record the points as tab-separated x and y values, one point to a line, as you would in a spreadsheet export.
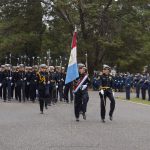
23	128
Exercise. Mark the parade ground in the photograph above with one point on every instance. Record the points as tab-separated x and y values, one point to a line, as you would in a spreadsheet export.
22	127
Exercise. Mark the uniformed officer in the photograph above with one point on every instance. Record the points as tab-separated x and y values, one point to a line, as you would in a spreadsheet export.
20	83
149	88
128	84
144	87
42	77
137	80
1	79
33	84
13	81
68	88
6	82
79	94
106	84
27	82
85	95
60	82
52	88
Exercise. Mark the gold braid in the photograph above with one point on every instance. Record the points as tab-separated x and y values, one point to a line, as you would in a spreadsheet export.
42	78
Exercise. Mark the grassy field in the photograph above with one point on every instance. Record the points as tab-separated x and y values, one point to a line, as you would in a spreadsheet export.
136	100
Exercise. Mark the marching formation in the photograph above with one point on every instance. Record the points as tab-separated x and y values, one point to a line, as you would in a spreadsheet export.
138	83
47	84
25	83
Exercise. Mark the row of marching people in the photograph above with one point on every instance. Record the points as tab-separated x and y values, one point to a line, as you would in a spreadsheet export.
47	83
23	83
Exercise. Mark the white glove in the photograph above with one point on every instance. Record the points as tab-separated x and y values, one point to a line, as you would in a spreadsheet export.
102	92
83	87
10	78
113	93
25	78
0	84
48	82
56	86
28	83
37	92
11	84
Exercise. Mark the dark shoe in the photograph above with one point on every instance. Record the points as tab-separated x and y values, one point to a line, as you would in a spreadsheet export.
77	119
103	120
46	107
111	118
81	113
84	116
41	112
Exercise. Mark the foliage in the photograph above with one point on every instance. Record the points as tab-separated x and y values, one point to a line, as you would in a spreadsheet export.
112	32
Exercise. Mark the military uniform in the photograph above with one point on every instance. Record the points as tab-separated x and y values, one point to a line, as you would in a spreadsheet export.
60	83
1	80
52	88
20	85
43	88
144	87
68	88
81	95
128	84
33	86
106	84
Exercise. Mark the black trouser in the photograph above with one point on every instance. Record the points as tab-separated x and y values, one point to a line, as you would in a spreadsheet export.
32	91
27	89
78	103
23	91
143	92
12	90
9	89
109	94
53	94
18	92
42	97
66	91
1	91
137	91
4	88
43	101
60	91
85	99
128	93
149	93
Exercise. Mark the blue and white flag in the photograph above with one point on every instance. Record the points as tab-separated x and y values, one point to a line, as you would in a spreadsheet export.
72	70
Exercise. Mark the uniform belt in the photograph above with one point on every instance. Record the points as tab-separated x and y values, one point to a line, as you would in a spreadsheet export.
105	87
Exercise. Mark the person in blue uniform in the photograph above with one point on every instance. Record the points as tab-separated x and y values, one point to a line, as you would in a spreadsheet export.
148	88
20	83
42	77
138	81
144	87
33	84
85	95
128	85
27	82
81	96
1	79
106	84
52	88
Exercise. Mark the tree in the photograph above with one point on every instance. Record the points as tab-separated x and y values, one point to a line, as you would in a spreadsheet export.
21	26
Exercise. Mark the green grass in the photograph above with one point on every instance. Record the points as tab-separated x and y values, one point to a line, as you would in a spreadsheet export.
136	100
